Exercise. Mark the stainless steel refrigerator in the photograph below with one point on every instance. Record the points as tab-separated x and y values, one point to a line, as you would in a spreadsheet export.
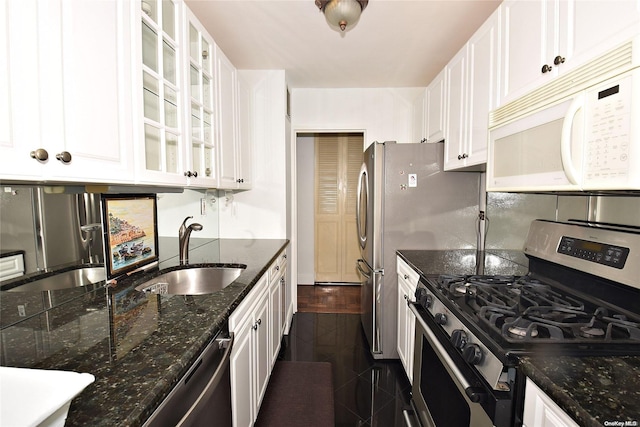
406	201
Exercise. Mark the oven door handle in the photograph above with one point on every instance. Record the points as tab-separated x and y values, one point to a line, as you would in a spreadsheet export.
442	353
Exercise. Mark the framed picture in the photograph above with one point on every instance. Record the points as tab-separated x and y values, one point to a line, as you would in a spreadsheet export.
130	232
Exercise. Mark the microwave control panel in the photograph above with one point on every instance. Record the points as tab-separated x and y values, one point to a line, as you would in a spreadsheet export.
608	132
600	253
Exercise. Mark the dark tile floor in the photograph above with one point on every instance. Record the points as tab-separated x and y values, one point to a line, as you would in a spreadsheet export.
367	392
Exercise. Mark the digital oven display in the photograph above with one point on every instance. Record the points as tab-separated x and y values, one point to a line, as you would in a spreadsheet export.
600	253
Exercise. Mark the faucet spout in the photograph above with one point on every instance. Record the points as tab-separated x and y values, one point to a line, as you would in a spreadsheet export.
184	234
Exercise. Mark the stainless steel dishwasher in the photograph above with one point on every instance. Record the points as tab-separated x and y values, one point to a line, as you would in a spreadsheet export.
203	395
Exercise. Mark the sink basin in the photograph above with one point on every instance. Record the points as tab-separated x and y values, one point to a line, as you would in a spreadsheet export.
193	280
69	279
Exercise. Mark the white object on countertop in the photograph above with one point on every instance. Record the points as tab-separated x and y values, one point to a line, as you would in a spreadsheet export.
37	397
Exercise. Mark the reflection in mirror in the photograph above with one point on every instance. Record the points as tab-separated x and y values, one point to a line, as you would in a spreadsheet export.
51	226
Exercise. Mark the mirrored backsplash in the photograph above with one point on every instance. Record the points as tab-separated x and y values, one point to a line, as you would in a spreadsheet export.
510	214
53	229
61	226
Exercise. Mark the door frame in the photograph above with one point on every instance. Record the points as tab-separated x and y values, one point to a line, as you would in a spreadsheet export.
293	213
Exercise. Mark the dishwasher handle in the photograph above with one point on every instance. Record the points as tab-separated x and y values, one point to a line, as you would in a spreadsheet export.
219	375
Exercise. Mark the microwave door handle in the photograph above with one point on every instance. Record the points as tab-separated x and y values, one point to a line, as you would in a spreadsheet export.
565	141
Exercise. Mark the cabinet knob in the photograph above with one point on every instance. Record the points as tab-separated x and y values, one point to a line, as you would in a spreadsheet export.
546	68
191	174
40	155
64	157
558	60
406	277
277	268
239	180
462	156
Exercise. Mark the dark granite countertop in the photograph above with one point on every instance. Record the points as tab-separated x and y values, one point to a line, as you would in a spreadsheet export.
463	261
594	391
136	345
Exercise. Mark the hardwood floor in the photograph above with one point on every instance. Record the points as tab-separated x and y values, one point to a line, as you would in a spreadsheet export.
329	299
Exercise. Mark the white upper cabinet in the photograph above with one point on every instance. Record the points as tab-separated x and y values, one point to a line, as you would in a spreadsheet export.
471	92
226	86
419	113
159	86
244	151
542	39
67	116
201	155
436	108
234	126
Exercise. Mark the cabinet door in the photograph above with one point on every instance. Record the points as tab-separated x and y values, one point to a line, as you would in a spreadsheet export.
96	91
436	108
226	87
586	33
407	282
541	411
242	380
68	80
403	338
483	89
20	131
456	94
529	42
419	121
201	153
261	348
159	79
275	311
244	150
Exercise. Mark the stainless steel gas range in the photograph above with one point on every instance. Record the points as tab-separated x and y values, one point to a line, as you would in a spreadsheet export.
581	296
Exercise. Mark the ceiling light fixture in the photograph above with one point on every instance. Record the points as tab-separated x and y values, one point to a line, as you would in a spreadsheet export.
340	13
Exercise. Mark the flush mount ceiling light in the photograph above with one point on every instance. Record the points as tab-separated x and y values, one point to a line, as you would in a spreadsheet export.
340	13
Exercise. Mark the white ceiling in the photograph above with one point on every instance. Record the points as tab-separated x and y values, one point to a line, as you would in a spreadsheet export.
396	43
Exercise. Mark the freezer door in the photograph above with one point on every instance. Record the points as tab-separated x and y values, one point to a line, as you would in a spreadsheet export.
370	304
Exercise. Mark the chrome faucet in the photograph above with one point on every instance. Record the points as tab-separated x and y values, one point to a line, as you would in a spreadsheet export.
183	236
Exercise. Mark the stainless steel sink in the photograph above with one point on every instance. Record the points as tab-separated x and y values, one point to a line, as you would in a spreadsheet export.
69	279
193	280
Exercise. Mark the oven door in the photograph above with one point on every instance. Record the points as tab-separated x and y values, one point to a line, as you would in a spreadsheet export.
444	393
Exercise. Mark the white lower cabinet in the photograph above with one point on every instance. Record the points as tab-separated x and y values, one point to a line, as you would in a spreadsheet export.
257	324
407	282
277	292
541	411
250	362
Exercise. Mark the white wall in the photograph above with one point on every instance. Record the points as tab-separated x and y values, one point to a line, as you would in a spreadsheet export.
262	211
305	177
383	114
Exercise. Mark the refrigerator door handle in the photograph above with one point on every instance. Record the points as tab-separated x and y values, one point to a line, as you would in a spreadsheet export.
366	274
362	201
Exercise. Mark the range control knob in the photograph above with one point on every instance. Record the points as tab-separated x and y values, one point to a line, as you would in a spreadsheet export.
459	338
440	318
472	354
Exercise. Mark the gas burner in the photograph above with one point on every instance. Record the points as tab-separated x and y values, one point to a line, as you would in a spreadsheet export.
520	328
591	332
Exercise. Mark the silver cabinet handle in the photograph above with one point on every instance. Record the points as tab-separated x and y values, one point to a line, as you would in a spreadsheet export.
64	157
40	155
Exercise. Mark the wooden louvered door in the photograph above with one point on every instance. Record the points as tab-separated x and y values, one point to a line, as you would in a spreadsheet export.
337	167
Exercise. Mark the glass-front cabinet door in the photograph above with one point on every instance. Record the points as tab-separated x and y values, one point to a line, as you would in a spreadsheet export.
162	133
201	155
